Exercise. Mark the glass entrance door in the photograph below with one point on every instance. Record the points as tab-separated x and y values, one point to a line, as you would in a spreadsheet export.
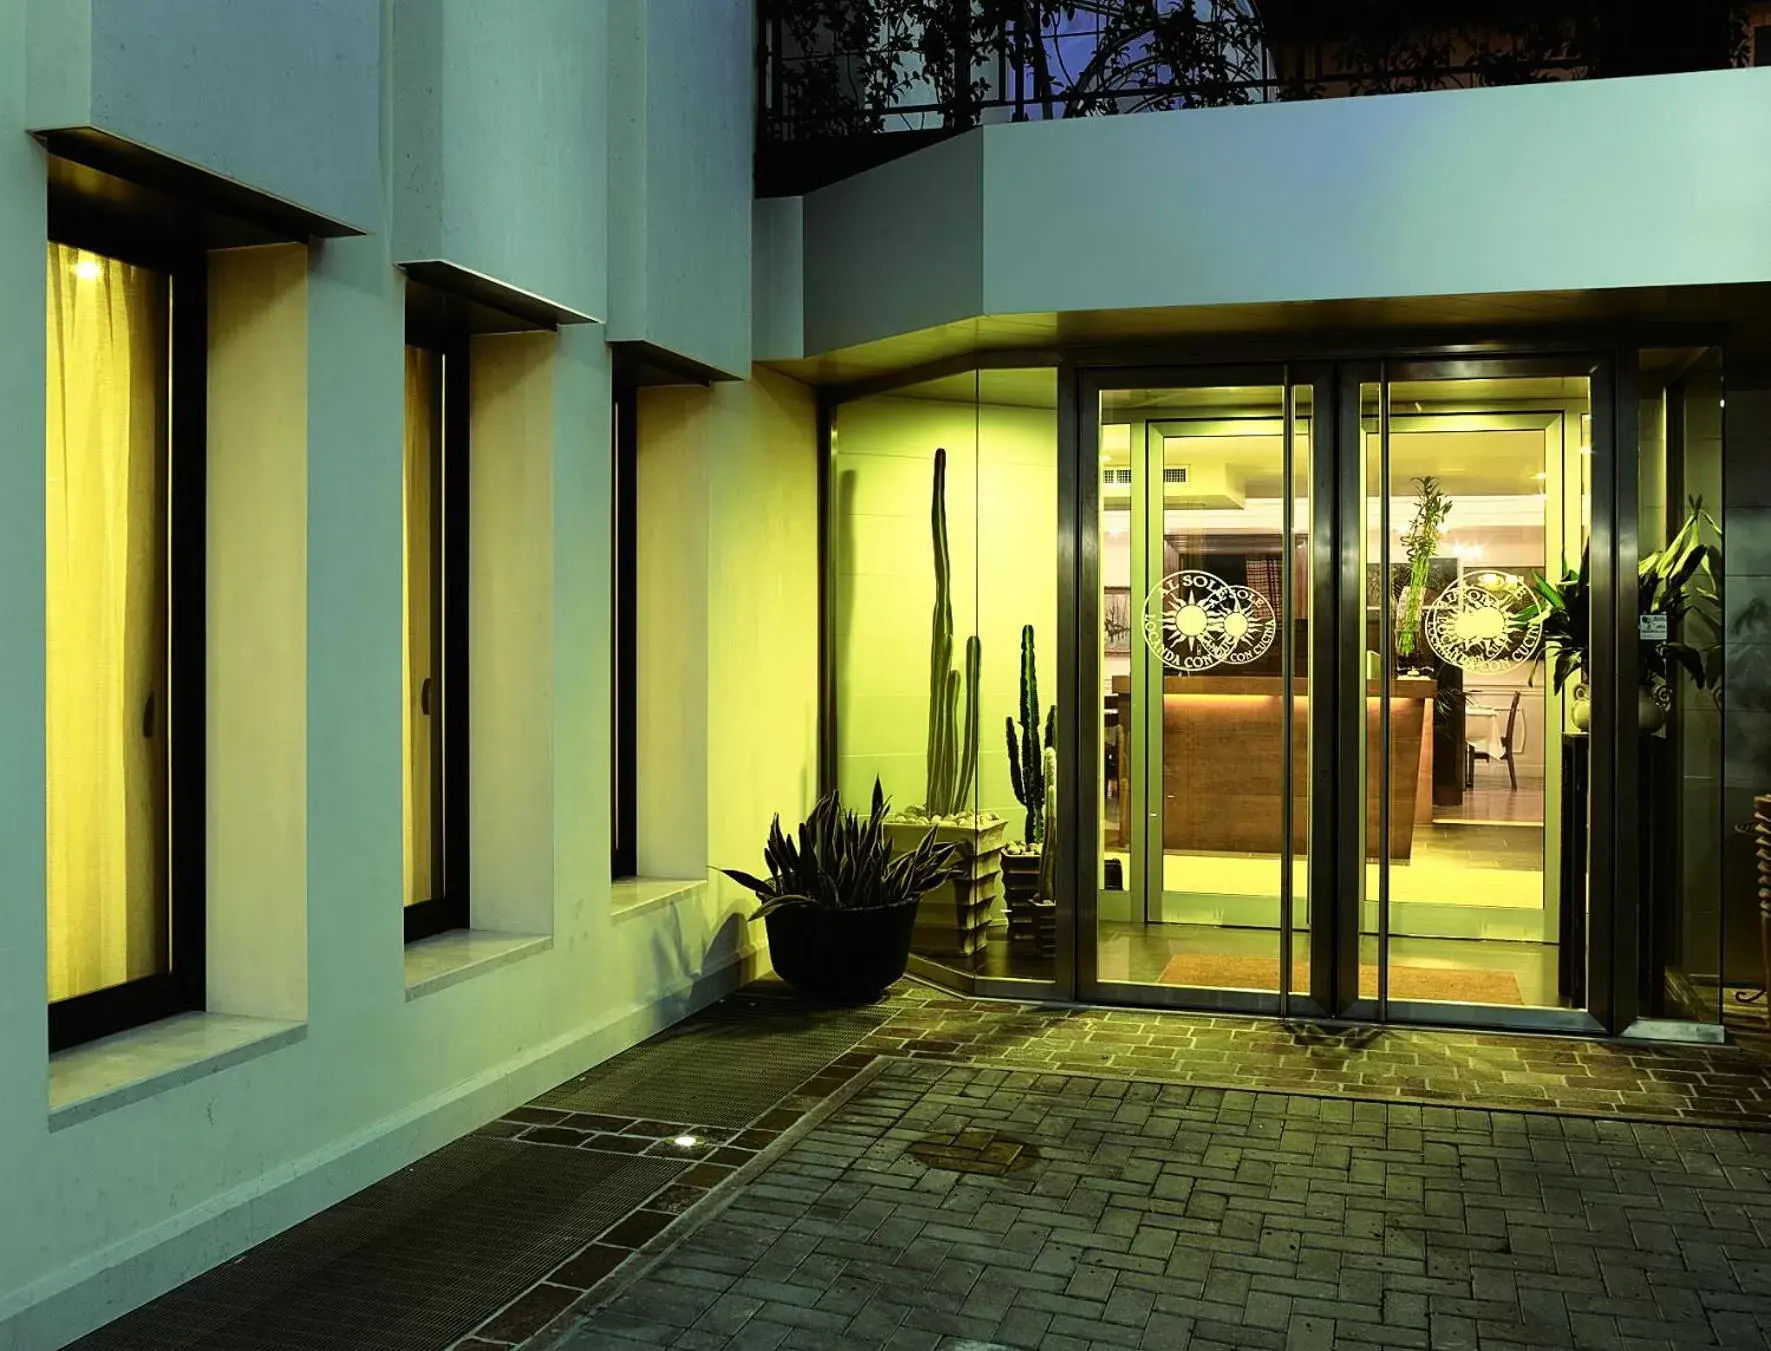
1335	620
1204	652
1478	520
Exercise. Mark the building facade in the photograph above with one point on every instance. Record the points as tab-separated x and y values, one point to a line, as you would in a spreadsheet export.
446	511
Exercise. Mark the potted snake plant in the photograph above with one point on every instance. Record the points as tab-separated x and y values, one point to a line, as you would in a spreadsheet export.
839	903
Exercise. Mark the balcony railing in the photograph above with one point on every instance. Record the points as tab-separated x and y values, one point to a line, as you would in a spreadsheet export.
845	84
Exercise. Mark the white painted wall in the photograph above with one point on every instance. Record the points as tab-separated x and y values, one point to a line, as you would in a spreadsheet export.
255	676
1657	181
281	97
730	742
680	145
131	1201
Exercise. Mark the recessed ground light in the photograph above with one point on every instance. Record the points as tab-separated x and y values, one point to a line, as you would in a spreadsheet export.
686	1141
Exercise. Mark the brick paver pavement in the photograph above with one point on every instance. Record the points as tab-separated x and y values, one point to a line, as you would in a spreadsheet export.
1163	1215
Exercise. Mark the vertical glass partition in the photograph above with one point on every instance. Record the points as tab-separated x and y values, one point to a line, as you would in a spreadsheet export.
943	540
1684	835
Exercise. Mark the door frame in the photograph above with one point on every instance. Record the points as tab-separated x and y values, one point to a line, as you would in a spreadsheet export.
1336	661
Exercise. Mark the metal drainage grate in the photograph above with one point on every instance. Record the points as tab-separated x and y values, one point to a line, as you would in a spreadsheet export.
724	1068
975	1151
412	1263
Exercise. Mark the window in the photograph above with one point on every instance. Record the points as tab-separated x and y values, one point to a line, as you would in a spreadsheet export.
123	626
433	728
626	448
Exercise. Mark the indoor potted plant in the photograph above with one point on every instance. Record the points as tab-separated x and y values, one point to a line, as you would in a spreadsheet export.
955	914
839	904
1422	541
1673	585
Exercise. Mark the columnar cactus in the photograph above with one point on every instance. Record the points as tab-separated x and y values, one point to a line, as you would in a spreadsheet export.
952	755
1025	771
1048	856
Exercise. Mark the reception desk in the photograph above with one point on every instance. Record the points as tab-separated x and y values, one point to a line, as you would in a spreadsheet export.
1222	768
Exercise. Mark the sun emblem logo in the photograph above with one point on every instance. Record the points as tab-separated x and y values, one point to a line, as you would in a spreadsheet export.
1197	622
1482	623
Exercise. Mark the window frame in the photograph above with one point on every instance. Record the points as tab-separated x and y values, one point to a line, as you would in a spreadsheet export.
624	615
451	504
183	988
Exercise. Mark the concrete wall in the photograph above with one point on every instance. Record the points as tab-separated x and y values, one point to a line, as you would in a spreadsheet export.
283	98
1564	186
154	1184
902	247
680	146
500	165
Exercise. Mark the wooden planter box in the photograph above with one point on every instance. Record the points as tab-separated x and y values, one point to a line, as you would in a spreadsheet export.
1032	923
953	920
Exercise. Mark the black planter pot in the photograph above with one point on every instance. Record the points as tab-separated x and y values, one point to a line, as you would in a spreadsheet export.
841	956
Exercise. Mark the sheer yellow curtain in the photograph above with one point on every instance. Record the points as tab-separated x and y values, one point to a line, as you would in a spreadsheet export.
105	622
423	446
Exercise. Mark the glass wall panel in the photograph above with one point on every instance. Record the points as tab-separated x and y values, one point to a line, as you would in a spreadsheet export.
1203	567
1680	764
106	622
1478	510
944	565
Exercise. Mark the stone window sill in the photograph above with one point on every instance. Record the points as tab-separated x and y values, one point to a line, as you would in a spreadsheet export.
447	959
631	896
101	1076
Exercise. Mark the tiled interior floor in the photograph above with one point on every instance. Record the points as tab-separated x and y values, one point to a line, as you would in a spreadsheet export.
1142	953
782	1060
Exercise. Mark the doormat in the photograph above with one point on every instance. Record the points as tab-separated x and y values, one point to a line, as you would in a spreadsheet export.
1206	971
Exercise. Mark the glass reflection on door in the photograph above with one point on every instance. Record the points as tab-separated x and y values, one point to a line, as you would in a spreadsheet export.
1478	508
1204	605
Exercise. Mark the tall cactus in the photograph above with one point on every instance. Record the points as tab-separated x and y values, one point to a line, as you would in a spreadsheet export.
952	755
1025	770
